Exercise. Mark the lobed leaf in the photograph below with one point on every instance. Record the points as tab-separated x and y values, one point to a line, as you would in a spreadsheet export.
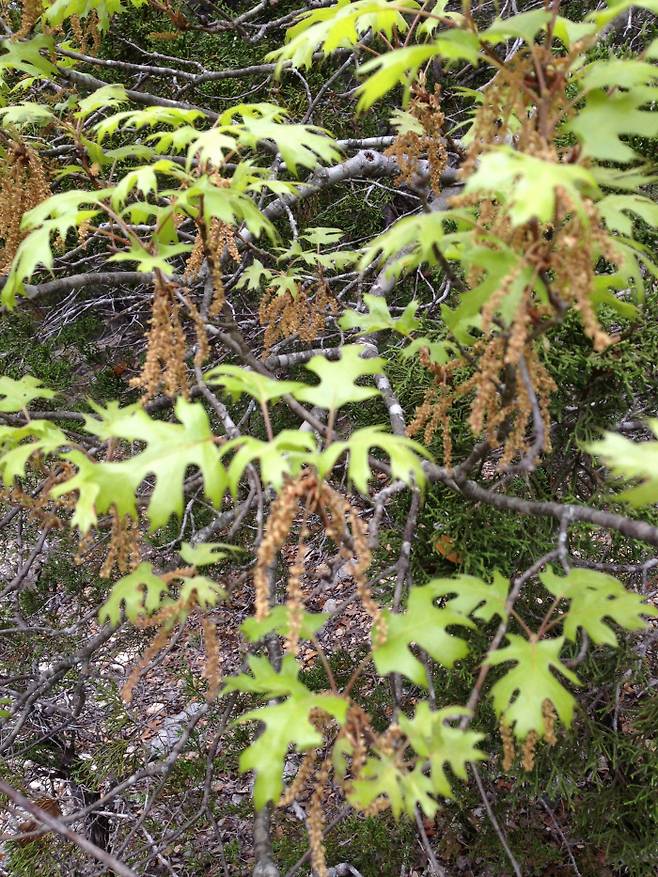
518	697
594	596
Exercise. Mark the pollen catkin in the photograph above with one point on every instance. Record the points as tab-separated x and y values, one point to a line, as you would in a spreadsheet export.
356	731
30	14
550	717
202	343
302	313
213	667
295	600
528	751
164	367
509	751
315	822
23	185
87	32
561	254
433	411
124	549
78	33
296	787
283	512
409	147
357	569
195	259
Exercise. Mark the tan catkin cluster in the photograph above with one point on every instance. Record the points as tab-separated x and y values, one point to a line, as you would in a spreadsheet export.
164	367
156	645
408	148
509	384
550	717
31	11
195	259
213	243
582	243
23	185
336	510
529	751
282	515
509	751
341	523
213	667
40	506
202	343
358	733
304	313
433	413
302	777
124	549
315	821
357	569
87	32
295	595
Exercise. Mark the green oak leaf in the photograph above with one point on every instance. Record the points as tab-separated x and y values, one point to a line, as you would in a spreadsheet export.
525	25
340	25
26	56
15	451
286	454
100	487
149	117
267	681
405	456
60	10
410	242
206	553
254	276
230	204
285	724
304	145
382	777
237	380
614	210
378	318
438	351
320	235
390	69
278	621
140	593
146	261
519	695
608	116
633	461
112	95
618	73
475	597
338	385
424	625
401	66
595	596
529	185
26	113
17	395
441	744
601	17
199	591
171	448
570	32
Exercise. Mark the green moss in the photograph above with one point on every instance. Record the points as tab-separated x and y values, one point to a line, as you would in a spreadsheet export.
375	846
